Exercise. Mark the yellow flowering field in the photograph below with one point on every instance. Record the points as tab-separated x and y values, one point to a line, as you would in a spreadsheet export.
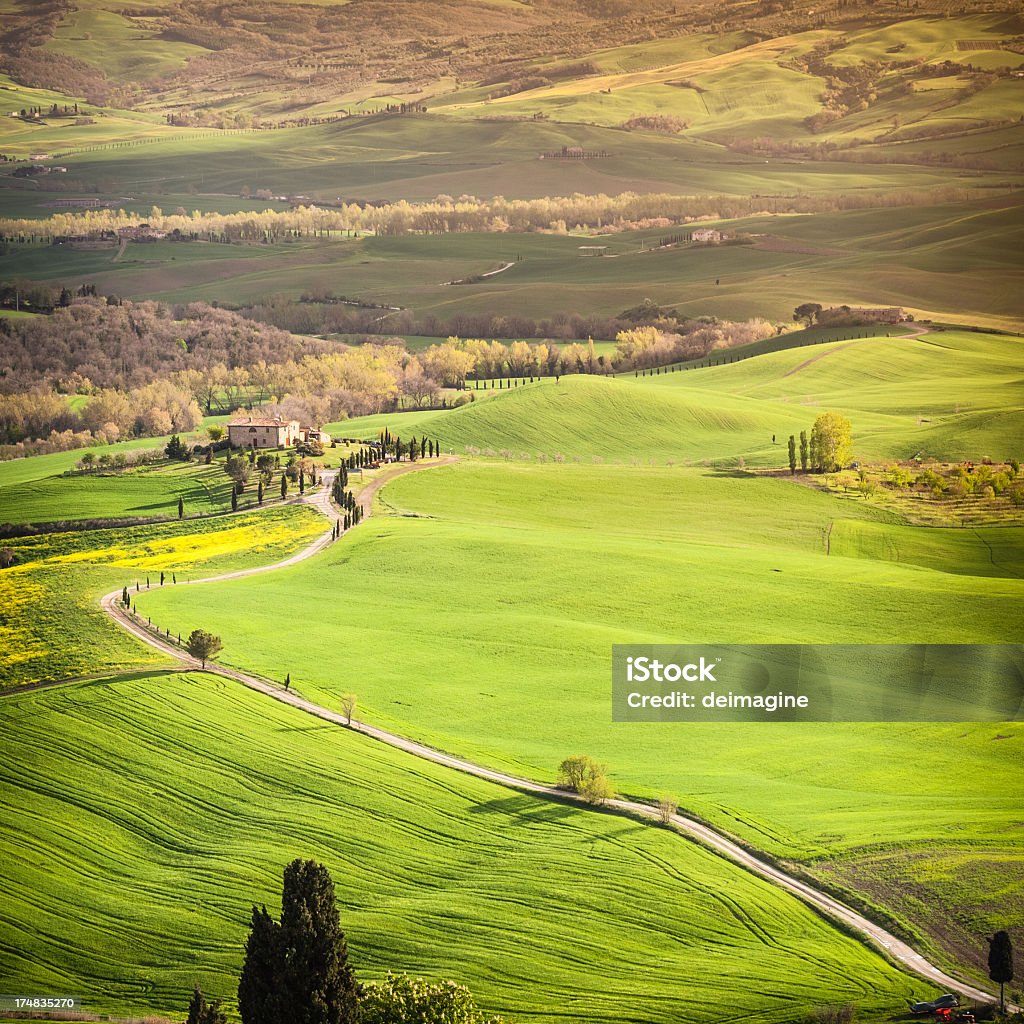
51	626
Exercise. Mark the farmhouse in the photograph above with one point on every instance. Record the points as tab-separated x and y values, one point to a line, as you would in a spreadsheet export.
706	235
263	432
883	315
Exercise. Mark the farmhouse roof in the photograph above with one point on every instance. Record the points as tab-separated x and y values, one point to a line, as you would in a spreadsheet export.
259	421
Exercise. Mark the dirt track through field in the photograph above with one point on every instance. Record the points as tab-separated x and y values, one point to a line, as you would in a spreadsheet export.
889	944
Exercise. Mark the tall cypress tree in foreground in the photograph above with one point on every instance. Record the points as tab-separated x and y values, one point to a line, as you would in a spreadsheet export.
297	972
792	454
804	453
1000	963
257	986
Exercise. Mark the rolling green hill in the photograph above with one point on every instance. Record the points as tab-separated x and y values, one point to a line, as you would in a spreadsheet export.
136	850
576	557
896	391
531	572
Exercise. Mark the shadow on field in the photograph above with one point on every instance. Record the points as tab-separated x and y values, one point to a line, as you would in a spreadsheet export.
720	473
526	808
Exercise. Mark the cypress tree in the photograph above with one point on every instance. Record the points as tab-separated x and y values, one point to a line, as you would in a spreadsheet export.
423	447
259	493
125	599
1000	963
316	973
792	453
302	481
258	985
234	501
804	453
181	508
297	971
284	486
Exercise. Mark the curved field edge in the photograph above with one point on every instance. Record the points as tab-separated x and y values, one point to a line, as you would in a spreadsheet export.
136	849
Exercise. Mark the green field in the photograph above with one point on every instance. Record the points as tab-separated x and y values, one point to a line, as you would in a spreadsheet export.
895	390
136	851
577	555
151	492
576	558
53	627
953	261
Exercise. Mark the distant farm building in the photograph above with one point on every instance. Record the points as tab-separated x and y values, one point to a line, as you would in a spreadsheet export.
314	434
881	315
141	233
575	153
263	432
593	250
706	235
85	203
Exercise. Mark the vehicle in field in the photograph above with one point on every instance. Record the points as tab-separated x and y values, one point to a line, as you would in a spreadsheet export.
944	1002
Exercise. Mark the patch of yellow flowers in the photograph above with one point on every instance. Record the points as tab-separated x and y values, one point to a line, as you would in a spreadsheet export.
193	548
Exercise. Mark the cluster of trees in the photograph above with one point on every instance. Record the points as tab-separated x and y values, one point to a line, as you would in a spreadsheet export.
983	481
38	421
827	449
352	510
91	343
645	347
445	214
296	969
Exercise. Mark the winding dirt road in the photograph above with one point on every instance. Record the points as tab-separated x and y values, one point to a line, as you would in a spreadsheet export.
893	947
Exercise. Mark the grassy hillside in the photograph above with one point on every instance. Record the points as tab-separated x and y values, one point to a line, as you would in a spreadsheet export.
53	627
532	572
136	851
896	391
140	493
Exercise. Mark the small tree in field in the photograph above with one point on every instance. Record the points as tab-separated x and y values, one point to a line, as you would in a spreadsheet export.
203	645
587	777
238	469
792	454
176	449
215	434
399	999
831	441
1000	963
348	706
666	808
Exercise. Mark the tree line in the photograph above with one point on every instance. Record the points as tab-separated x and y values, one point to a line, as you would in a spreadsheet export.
445	215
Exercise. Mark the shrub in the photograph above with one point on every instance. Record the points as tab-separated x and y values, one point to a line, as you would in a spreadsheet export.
400	999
